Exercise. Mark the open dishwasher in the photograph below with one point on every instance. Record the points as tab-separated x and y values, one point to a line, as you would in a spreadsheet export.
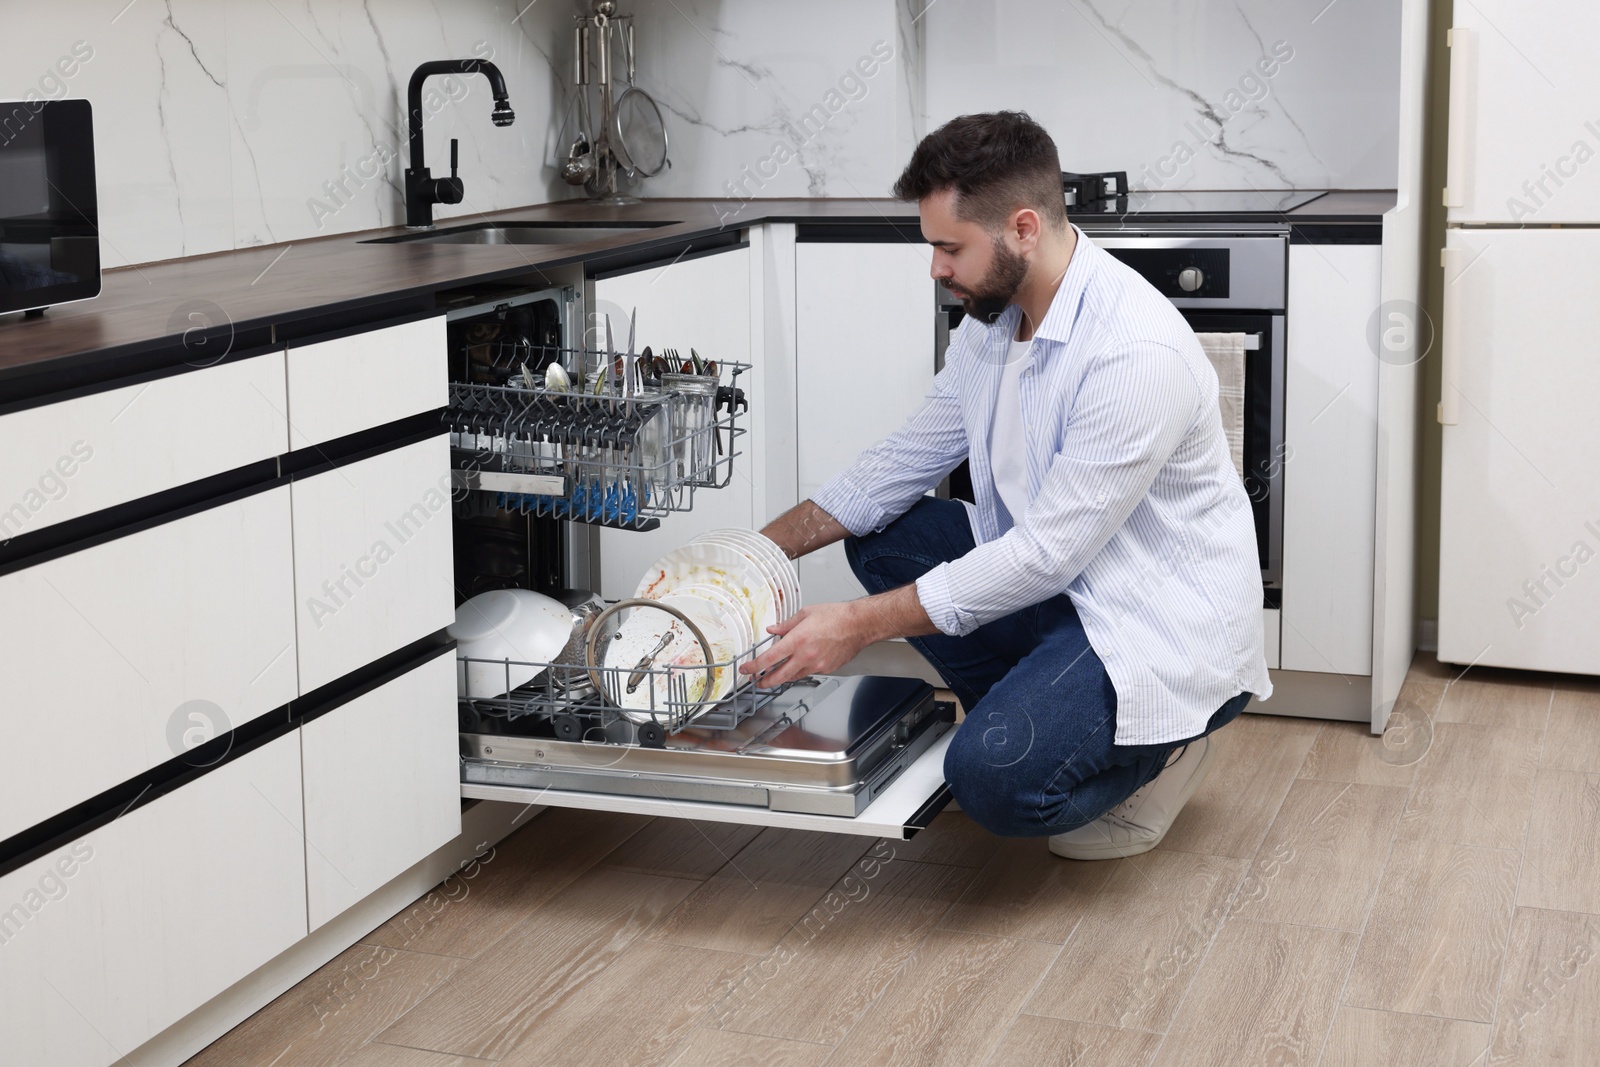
551	432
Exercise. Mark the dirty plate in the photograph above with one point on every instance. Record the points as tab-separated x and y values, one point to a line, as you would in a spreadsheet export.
714	564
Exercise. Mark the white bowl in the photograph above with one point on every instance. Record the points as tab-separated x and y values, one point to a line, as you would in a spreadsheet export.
517	630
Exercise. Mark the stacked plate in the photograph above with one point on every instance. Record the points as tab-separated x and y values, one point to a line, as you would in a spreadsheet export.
734	584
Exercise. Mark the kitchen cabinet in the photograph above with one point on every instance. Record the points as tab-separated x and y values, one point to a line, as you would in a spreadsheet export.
352	383
116	657
1521	115
864	360
76	456
382	785
701	303
1519	525
109	940
1330	459
372	558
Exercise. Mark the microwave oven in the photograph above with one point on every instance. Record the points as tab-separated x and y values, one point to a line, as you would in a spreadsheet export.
49	216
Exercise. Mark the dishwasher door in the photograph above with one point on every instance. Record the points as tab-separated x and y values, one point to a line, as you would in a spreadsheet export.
859	755
907	805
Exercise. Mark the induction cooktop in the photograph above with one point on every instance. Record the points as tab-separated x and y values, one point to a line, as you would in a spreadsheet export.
1198	202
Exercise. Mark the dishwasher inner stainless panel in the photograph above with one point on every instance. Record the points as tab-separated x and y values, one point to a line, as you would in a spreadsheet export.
826	748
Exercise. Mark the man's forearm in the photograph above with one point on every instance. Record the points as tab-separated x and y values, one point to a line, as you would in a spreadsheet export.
804	528
897	613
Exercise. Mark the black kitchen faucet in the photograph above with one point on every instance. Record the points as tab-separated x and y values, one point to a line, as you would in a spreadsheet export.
422	189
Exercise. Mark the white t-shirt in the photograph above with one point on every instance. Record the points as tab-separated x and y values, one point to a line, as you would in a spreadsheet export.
1008	445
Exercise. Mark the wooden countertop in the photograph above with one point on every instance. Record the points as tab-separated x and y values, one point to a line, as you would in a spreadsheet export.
143	312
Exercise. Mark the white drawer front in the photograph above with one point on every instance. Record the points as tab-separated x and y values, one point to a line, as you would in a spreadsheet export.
367	379
372	563
110	940
78	456
382	786
102	651
1272	631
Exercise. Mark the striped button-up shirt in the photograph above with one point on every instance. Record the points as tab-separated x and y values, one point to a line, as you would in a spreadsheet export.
1136	511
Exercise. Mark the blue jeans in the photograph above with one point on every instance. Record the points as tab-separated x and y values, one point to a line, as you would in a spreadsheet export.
1034	755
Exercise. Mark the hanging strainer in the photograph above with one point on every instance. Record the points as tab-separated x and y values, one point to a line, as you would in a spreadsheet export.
639	137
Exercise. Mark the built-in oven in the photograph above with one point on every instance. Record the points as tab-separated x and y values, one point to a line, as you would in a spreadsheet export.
1222	282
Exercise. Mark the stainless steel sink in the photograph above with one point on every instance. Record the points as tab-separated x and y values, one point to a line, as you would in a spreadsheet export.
518	233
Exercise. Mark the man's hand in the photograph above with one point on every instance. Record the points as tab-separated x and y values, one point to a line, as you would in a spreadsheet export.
824	637
815	640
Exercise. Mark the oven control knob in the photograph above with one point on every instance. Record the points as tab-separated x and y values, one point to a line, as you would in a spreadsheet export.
1190	279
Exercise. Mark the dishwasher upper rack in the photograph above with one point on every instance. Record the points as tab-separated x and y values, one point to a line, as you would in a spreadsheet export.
597	457
565	694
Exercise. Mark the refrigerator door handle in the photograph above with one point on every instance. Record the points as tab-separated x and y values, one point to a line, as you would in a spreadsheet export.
1449	412
1462	55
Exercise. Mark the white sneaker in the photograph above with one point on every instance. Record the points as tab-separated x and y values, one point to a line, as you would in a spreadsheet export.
1139	823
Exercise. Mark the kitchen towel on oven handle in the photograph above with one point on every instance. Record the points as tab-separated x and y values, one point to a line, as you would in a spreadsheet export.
1226	353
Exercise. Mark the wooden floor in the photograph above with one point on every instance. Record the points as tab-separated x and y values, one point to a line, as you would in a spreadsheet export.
1322	900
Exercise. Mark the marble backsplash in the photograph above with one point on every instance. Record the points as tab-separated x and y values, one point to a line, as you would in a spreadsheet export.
233	123
1196	94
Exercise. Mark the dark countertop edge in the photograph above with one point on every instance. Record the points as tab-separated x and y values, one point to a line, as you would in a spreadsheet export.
101	364
72	371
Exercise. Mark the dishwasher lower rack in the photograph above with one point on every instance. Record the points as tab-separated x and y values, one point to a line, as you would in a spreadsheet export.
602	458
582	703
828	746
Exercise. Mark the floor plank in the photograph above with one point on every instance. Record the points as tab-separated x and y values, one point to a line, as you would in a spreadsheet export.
953	839
635	1012
681	848
473	909
1026	891
725	1048
1362	1037
1572	738
950	1004
334	1011
1561	864
1474	787
1038	1042
1132	957
1264	995
490	1007
753	901
1522	705
1351	752
1549	992
1425	664
825	974
1323	856
1228	815
594	937
381	1055
1436	939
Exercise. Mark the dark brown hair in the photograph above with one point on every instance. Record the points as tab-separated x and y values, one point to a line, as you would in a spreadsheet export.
996	162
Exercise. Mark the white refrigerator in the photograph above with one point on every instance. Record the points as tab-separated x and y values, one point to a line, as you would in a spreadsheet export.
1519	567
